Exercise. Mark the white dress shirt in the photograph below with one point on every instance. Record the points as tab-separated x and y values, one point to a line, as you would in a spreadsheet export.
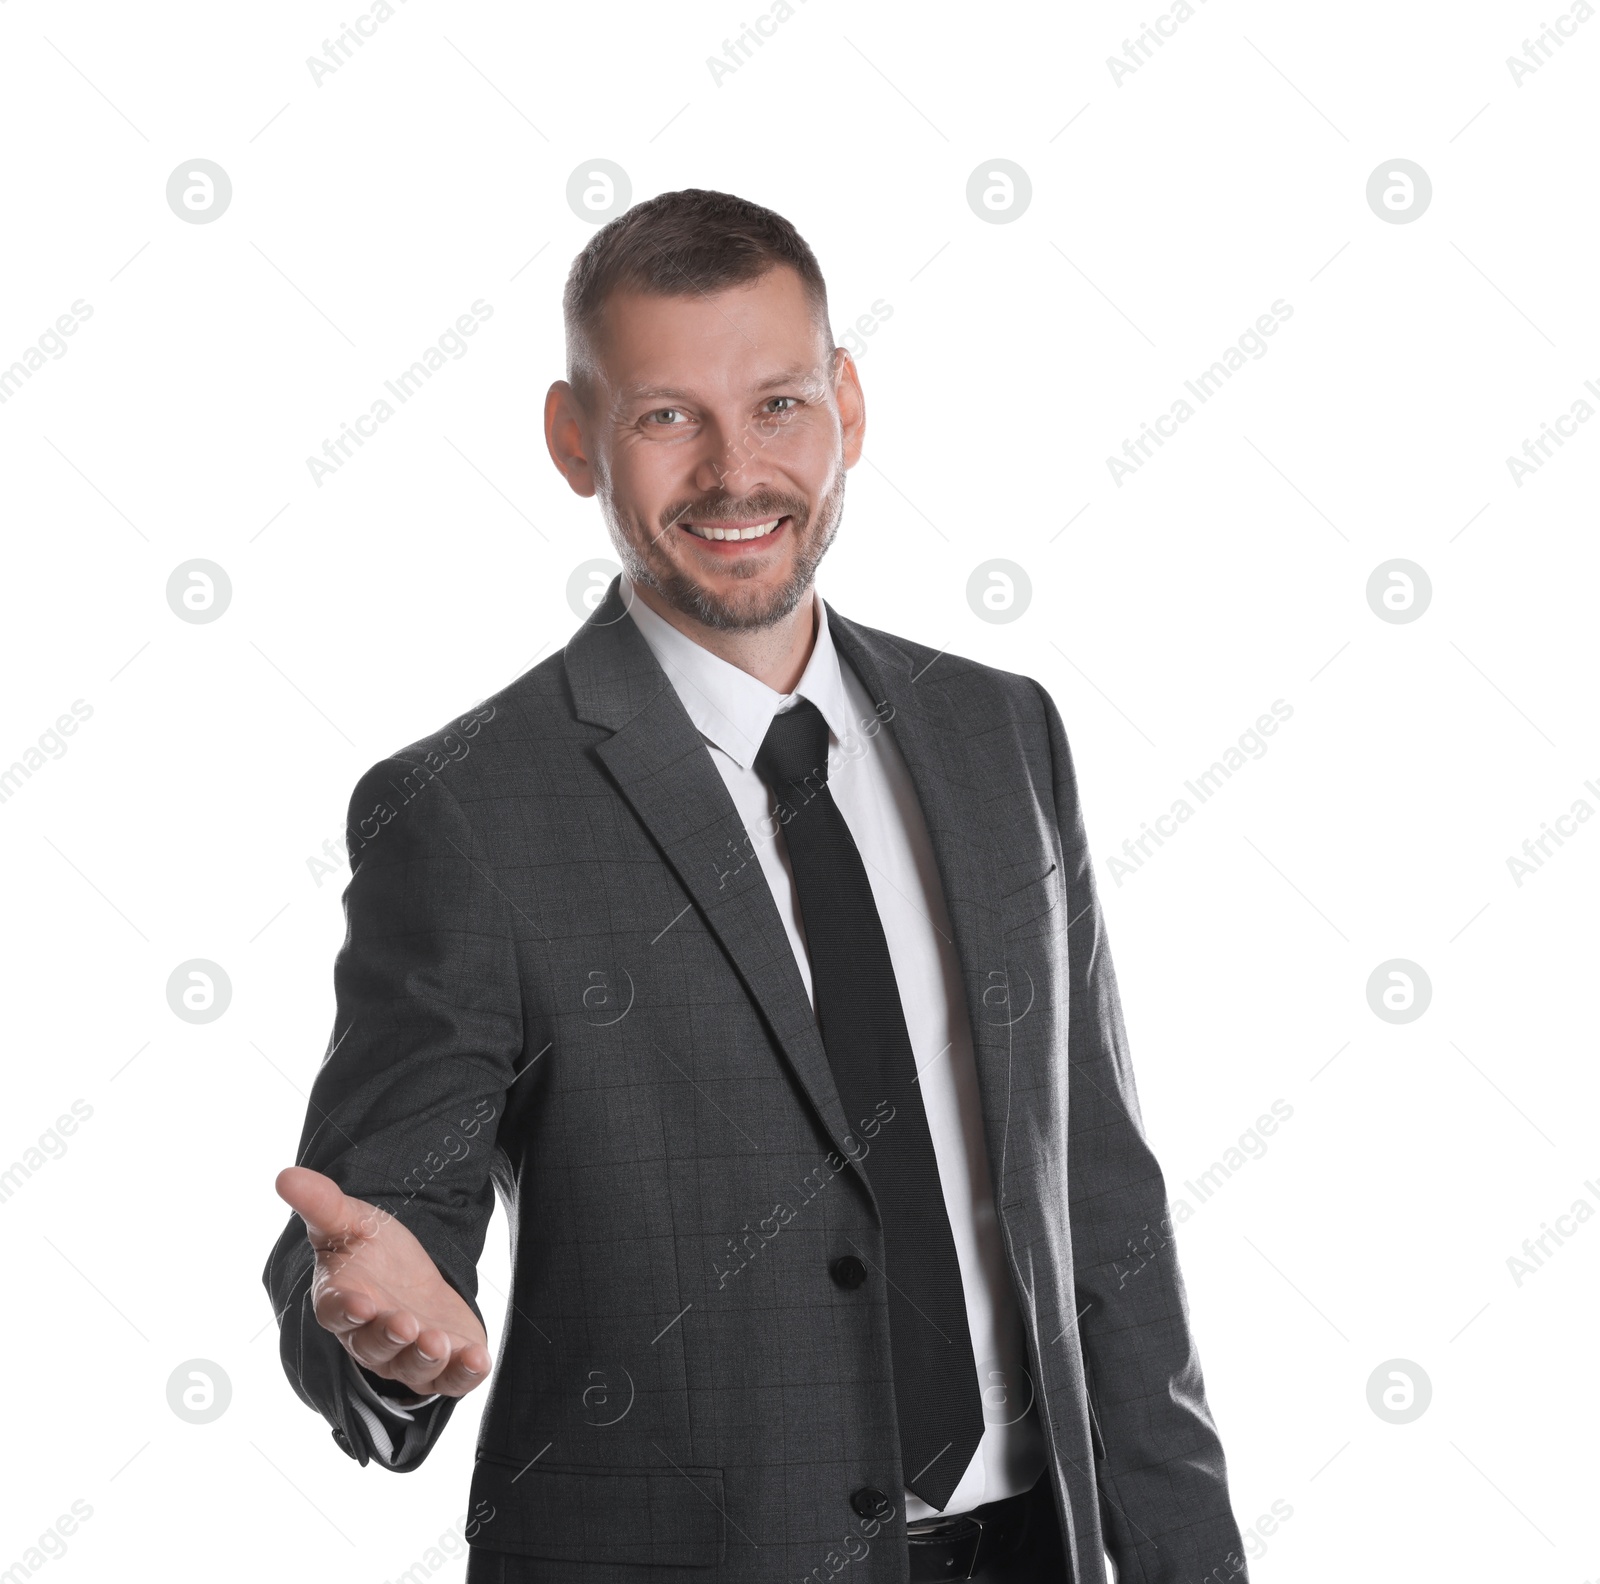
872	788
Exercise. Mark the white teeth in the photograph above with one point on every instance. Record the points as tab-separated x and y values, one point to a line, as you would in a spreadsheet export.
708	532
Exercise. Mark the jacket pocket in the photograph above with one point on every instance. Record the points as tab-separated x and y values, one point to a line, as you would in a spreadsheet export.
573	1512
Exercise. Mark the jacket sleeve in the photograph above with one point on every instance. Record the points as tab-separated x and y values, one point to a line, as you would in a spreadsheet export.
1161	1472
405	1107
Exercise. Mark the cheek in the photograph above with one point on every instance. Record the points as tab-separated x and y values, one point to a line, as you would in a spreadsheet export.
806	457
644	480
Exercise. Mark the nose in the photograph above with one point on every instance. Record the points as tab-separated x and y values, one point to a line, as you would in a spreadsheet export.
734	462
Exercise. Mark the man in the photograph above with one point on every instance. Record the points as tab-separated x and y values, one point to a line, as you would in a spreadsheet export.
754	956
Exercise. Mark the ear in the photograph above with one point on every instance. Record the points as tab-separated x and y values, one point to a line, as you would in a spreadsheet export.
565	435
852	403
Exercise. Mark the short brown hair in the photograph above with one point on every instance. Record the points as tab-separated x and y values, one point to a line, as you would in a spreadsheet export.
680	244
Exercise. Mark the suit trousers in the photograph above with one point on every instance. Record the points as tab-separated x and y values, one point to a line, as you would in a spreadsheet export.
1042	1559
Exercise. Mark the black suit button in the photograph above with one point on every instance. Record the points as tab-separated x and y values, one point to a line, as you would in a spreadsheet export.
870	1502
849	1272
341	1440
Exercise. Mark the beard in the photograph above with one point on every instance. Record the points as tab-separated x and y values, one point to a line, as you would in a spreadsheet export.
752	606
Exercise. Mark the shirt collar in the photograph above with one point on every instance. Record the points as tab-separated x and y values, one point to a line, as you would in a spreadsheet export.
729	707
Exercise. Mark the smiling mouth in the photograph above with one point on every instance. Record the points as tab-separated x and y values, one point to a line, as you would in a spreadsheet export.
717	532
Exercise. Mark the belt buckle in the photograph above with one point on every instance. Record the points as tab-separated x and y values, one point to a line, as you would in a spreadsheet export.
978	1555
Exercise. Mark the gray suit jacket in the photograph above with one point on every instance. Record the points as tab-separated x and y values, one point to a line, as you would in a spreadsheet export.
565	978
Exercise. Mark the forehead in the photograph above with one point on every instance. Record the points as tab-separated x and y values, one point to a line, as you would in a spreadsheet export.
734	340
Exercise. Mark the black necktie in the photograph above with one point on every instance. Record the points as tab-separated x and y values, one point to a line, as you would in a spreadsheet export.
864	1033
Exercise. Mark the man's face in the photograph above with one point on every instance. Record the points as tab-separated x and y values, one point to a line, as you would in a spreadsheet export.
718	442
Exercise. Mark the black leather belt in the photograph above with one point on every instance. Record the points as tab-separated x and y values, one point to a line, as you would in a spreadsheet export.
960	1547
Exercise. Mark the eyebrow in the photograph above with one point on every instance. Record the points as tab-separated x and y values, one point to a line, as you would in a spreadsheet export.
794	376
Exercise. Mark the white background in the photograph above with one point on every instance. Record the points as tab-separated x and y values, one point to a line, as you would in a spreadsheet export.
1167	613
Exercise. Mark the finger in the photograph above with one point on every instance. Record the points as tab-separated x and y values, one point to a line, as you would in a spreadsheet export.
382	1338
468	1368
421	1364
331	1216
343	1307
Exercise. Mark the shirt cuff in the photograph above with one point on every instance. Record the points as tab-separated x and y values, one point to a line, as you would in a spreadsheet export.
379	1414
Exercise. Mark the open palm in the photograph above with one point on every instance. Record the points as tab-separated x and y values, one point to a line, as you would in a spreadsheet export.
377	1289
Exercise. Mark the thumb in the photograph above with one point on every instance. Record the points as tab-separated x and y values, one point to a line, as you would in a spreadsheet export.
331	1216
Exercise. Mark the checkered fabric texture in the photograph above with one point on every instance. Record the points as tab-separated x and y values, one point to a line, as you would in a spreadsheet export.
565	980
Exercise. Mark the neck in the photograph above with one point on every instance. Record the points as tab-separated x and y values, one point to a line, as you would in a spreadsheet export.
776	655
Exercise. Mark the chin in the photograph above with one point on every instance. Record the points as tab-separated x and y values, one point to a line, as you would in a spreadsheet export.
745	603
744	608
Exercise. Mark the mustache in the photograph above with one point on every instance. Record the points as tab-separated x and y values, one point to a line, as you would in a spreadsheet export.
758	507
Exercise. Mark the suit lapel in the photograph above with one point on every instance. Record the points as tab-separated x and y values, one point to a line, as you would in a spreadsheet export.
660	763
933	739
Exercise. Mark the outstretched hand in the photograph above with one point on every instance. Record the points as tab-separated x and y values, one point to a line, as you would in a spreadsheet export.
377	1289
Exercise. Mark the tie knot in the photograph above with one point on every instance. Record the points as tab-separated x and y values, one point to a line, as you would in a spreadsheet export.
794	752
